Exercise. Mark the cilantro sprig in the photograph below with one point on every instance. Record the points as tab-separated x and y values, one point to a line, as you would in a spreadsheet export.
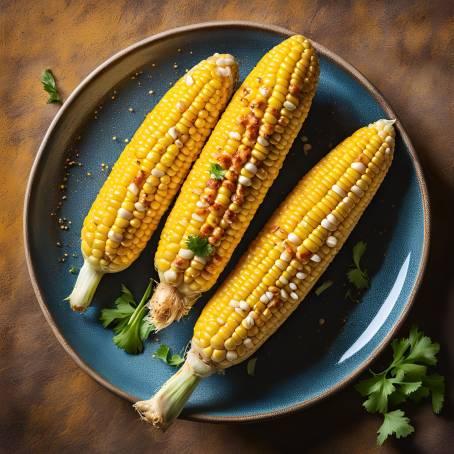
49	84
357	275
406	378
199	245
217	172
163	353
128	320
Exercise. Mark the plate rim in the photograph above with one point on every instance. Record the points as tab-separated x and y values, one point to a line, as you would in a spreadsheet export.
340	62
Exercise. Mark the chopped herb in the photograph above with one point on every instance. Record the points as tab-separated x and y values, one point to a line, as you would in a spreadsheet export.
199	245
74	270
217	172
325	286
119	316
48	81
405	378
129	321
356	275
250	368
163	353
394	422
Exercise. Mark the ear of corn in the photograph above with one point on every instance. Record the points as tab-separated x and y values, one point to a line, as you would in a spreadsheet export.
149	172
282	264
232	175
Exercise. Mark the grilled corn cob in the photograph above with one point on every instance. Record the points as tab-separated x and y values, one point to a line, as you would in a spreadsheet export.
232	175
282	264
149	172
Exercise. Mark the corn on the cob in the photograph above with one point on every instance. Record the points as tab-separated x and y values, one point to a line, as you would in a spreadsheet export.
149	172
230	179
282	265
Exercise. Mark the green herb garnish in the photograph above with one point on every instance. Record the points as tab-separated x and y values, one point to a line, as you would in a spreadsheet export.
163	353
356	275
130	325
250	367
325	286
48	81
394	422
199	245
217	172
74	270
405	378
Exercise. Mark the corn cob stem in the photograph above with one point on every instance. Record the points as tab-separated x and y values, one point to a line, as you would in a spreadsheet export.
168	402
86	285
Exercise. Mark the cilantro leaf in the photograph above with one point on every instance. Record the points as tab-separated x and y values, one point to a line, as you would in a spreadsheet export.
49	84
121	324
405	379
421	393
130	326
356	275
126	293
399	347
146	328
397	398
358	251
217	172
125	306
199	245
175	360
369	386
436	384
408	388
358	278
394	422
250	367
422	348
412	372
163	353
324	286
378	400
128	338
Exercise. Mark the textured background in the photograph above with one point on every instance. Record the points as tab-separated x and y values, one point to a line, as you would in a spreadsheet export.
405	48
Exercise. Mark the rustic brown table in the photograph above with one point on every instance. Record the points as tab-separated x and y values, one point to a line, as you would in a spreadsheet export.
406	48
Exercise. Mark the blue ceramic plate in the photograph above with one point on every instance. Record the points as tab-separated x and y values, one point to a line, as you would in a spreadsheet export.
308	361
